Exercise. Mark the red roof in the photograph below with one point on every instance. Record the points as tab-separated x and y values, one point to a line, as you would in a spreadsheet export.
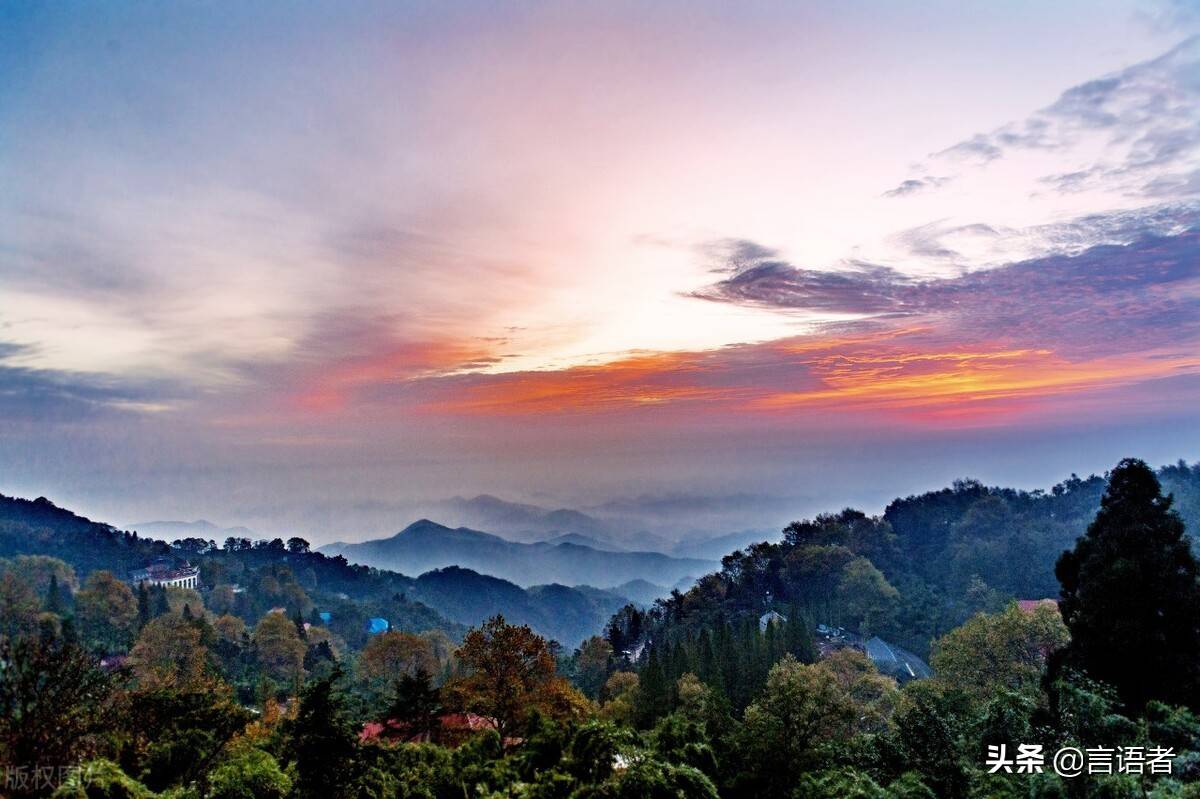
1030	605
449	722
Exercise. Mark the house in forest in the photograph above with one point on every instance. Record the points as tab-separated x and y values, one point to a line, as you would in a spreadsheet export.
164	572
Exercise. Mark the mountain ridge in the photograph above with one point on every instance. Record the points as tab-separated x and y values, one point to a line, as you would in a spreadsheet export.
425	545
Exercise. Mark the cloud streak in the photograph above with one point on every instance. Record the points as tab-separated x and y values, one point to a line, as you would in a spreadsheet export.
1145	119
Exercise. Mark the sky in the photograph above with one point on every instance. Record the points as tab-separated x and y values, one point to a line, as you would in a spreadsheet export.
305	268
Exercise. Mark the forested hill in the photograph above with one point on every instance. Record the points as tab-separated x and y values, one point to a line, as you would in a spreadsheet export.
275	573
909	575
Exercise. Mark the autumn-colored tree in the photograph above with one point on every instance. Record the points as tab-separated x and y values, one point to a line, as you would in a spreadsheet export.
38	570
389	656
229	628
510	673
169	654
107	611
620	696
280	650
179	598
874	694
318	635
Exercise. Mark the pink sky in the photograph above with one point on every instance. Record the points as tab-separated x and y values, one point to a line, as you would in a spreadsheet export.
450	251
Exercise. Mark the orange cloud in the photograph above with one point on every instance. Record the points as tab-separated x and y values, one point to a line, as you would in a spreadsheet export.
905	372
331	388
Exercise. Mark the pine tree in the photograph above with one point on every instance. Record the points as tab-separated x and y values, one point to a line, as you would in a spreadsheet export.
54	602
321	741
1130	596
417	704
654	689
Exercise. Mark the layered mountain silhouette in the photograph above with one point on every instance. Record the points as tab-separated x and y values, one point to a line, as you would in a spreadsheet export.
445	599
201	528
426	545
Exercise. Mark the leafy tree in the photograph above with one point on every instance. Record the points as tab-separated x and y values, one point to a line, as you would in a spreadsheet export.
107	612
591	665
869	603
249	774
622	698
388	657
1130	597
297	546
175	734
101	779
510	674
55	705
19	606
803	710
1002	650
280	650
222	599
169	653
930	735
179	598
40	570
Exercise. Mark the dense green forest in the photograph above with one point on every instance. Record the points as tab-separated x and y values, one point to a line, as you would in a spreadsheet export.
265	682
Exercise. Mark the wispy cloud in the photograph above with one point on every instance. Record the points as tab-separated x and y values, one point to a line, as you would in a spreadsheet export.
51	396
915	185
1144	122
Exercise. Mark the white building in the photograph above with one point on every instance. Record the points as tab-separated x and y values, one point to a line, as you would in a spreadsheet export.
164	574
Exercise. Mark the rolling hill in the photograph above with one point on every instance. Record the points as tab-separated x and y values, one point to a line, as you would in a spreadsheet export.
425	545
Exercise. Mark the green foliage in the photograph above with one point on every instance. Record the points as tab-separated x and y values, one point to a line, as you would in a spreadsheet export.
1130	595
55	705
101	779
321	741
174	734
1004	650
696	700
249	774
107	612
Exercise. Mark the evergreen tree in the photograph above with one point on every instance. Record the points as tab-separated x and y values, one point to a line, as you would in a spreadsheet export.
321	741
298	620
161	606
53	602
1130	597
417	704
655	689
143	600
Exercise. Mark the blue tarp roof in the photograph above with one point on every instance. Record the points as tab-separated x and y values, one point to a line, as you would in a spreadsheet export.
377	625
326	616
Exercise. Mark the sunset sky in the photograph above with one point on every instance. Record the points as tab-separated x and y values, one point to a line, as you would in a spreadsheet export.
305	266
